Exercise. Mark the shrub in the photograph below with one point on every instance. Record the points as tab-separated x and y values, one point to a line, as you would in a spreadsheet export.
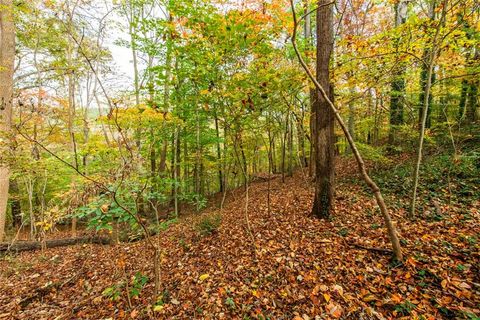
209	224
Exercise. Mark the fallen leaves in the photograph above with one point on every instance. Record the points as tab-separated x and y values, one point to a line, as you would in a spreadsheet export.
305	269
203	277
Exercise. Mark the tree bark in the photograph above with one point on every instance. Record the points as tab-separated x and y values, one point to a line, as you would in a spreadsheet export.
324	117
392	232
427	77
16	206
35	245
219	154
7	58
398	82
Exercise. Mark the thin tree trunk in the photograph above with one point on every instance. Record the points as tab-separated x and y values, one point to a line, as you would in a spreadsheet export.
307	34
426	80
430	62
290	147
351	115
175	171
219	154
463	100
284	146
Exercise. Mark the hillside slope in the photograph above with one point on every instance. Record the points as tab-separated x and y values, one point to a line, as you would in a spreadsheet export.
284	265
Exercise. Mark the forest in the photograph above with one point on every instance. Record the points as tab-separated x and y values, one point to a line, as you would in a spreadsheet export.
240	159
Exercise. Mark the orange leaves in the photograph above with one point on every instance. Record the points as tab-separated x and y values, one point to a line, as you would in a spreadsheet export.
396	298
334	310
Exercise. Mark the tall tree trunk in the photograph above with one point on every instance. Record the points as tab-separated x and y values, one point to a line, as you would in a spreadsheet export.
71	104
7	57
274	153
284	146
176	169
426	80
219	154
433	52
16	205
131	17
307	34
463	100
473	104
198	160
301	138
351	115
324	117
392	233
290	146
397	92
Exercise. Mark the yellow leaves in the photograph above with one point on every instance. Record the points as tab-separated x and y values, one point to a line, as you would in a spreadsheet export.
49	4
327	297
369	297
255	293
204	92
157	308
444	283
203	277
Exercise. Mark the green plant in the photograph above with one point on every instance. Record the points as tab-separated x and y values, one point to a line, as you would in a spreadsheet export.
461	267
209	224
405	308
102	212
138	281
343	232
113	292
230	303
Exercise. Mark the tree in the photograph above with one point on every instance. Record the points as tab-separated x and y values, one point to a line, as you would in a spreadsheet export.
391	229
7	56
398	82
431	54
425	98
323	137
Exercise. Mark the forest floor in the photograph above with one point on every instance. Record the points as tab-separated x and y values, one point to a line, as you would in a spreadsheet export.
285	265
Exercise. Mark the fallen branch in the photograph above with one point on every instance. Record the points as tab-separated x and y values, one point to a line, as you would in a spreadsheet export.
48	288
34	245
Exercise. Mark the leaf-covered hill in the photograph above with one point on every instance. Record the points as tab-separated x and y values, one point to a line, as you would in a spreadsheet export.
278	264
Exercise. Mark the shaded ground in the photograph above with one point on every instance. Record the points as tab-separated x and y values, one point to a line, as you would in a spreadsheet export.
289	266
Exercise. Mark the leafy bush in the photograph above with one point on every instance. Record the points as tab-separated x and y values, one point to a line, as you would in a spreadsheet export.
102	212
209	224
